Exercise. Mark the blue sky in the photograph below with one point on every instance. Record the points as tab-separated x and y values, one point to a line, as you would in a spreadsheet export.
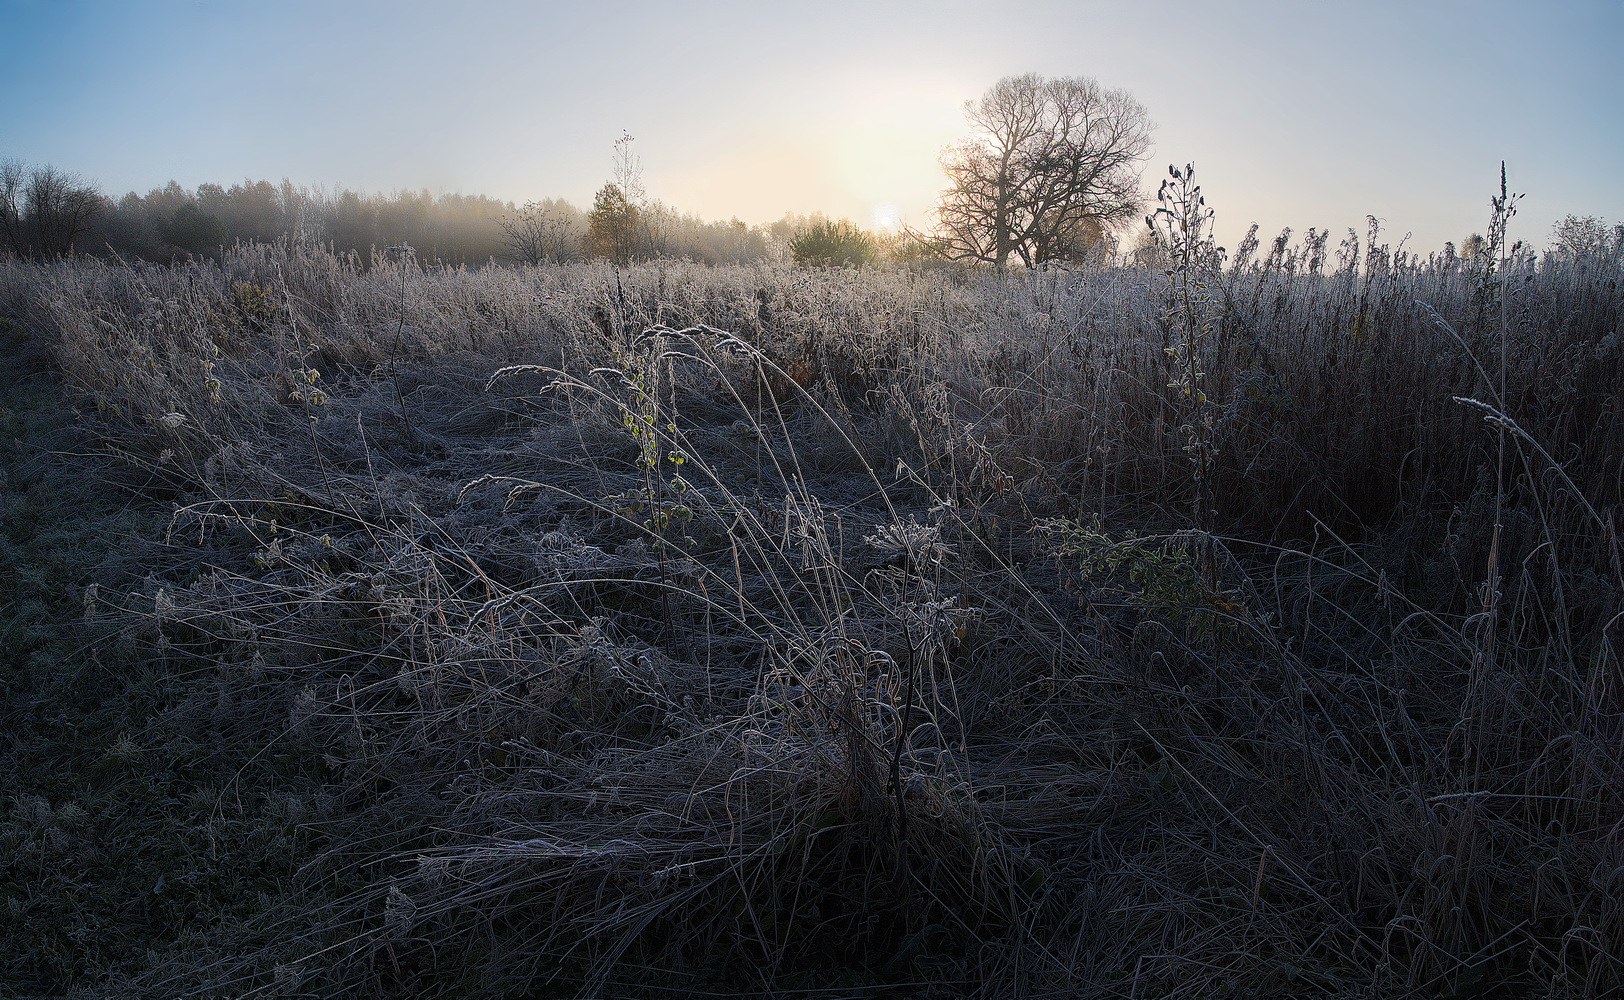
1294	113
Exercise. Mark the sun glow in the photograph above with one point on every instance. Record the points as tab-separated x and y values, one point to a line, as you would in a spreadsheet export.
874	162
889	166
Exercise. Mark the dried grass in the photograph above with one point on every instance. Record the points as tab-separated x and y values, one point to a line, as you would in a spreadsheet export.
817	704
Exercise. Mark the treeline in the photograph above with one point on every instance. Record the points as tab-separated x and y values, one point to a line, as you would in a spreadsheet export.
625	230
172	221
46	212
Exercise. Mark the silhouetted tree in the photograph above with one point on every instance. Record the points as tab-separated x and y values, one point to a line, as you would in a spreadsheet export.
1045	157
44	210
543	232
13	206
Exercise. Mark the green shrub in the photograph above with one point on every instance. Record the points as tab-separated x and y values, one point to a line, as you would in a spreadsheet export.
832	244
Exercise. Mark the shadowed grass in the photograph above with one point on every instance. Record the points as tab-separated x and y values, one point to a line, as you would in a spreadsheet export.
767	629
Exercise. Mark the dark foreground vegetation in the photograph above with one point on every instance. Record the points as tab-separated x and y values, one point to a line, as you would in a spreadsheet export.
1246	630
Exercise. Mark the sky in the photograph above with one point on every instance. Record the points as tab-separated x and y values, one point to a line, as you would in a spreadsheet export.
1301	113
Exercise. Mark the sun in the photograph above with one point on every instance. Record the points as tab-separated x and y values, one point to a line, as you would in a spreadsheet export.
885	215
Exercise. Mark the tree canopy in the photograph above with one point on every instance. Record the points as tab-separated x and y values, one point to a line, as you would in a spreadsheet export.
614	227
1049	167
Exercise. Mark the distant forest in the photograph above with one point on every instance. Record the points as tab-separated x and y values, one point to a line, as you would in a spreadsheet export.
172	222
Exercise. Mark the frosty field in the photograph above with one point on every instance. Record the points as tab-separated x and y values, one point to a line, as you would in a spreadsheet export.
1245	630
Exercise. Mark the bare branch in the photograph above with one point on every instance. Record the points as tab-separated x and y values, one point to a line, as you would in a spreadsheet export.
1050	168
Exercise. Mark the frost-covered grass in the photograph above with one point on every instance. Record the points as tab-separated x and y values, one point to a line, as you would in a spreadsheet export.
742	629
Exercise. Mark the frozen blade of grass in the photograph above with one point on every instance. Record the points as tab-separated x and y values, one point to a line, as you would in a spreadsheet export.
508	371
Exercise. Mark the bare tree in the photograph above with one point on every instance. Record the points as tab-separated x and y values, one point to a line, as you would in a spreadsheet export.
544	232
1048	161
12	207
1579	236
654	222
629	171
42	211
